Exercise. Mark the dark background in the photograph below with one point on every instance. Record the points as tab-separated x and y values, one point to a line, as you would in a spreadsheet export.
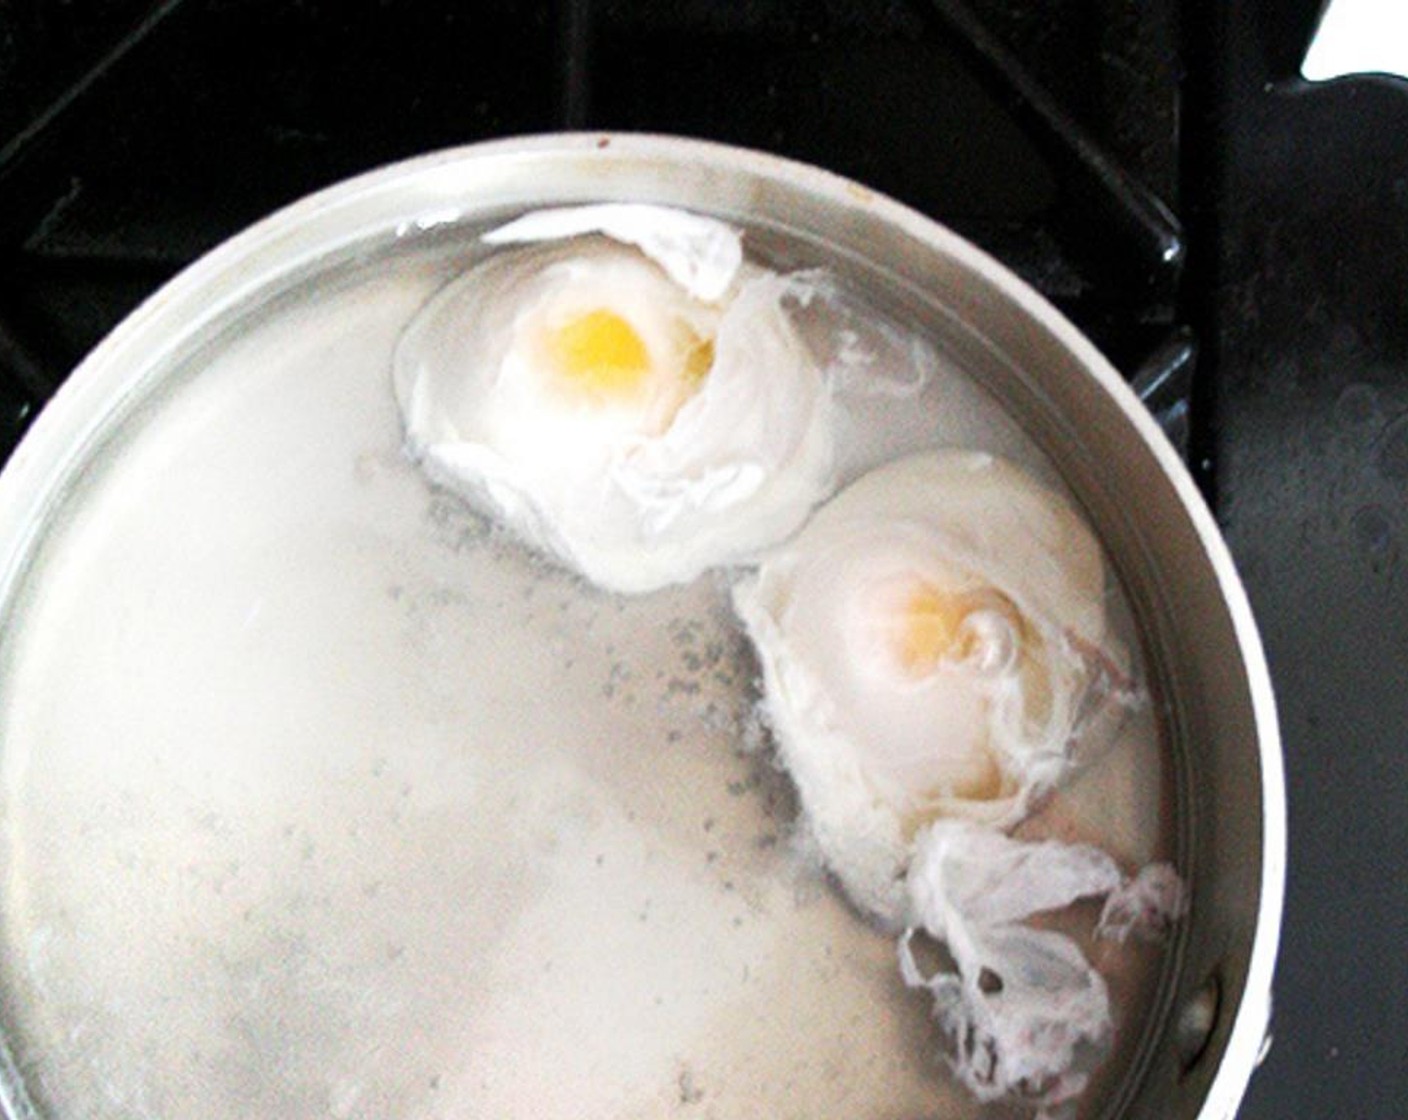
1234	238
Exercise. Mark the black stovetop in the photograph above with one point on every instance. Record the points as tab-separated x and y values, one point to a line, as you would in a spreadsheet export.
1235	239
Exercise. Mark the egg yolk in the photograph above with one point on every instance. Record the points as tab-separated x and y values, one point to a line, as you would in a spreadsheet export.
600	352
936	625
930	623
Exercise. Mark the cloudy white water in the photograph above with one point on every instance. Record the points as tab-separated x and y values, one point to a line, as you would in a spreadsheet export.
319	799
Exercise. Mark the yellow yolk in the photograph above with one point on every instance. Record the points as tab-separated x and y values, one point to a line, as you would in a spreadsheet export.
934	625
601	353
928	629
931	630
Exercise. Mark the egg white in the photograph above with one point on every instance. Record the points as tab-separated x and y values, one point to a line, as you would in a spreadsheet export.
1025	1014
878	745
639	488
1034	1031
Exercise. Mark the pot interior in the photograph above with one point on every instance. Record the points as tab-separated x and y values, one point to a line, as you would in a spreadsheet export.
321	796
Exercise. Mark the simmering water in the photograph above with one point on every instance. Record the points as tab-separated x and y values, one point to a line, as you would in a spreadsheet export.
322	798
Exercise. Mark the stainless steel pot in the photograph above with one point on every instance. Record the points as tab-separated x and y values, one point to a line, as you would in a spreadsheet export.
1212	1019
